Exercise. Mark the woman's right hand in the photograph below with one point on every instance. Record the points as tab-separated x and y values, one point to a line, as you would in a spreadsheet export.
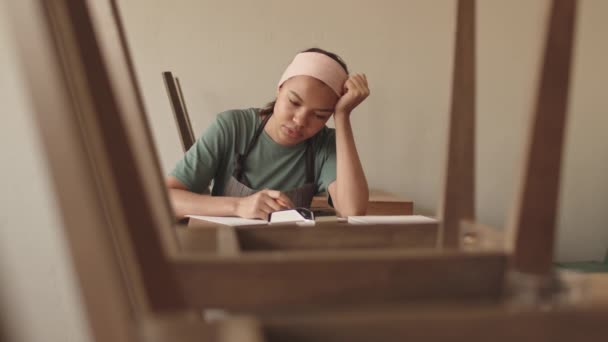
262	203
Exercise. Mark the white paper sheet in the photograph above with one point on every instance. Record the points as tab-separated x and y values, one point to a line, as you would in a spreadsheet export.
229	221
388	219
286	216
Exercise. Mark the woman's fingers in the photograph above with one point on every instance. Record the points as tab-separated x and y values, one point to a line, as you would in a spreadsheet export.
281	198
285	201
356	87
273	204
266	201
263	211
262	203
360	82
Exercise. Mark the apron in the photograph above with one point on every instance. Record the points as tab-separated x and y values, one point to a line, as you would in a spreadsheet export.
237	185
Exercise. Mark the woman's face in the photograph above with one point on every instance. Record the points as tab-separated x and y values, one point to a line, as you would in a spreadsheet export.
303	106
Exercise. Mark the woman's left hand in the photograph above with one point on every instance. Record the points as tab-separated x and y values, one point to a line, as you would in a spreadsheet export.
355	91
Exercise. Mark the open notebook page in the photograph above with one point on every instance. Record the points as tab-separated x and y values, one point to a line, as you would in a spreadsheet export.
388	219
229	221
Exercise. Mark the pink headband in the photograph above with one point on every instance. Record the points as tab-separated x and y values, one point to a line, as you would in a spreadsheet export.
319	66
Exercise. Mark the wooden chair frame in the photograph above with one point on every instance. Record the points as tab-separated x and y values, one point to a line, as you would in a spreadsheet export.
117	137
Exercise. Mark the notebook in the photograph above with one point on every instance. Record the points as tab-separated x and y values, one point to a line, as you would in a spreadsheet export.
391	219
229	221
304	216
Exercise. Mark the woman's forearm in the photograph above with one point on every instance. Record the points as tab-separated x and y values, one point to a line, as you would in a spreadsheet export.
188	203
352	193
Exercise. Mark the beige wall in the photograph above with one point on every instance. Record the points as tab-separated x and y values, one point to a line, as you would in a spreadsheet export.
229	54
39	300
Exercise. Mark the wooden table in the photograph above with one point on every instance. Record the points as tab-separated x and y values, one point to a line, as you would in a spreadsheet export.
380	203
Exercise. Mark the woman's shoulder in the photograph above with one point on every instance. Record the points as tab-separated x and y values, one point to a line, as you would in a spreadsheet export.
239	117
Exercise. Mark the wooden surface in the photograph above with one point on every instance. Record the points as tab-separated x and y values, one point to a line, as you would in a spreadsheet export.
132	188
228	244
458	198
241	329
534	221
380	203
462	325
324	236
298	280
180	112
338	236
62	101
435	322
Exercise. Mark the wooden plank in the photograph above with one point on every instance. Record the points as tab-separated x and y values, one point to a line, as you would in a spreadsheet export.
595	287
241	329
462	325
180	113
377	207
109	113
436	325
552	320
186	328
199	239
436	321
304	279
536	210
440	321
198	236
176	327
228	244
60	94
458	201
481	237
182	100
338	236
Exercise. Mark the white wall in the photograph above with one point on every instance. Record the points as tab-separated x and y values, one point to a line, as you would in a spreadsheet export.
39	300
229	54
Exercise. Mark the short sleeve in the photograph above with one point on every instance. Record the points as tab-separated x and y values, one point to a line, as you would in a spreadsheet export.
327	172
202	161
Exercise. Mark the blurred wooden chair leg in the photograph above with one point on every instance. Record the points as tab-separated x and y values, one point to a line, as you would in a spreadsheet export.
535	214
458	201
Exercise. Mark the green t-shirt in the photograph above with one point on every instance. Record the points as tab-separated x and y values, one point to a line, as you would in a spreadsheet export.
269	165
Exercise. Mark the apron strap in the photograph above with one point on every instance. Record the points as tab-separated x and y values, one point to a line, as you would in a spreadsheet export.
310	163
239	168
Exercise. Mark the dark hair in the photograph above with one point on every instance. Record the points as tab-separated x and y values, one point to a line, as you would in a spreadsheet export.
269	108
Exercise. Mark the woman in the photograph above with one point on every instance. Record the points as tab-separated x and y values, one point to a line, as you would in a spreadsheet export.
263	160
